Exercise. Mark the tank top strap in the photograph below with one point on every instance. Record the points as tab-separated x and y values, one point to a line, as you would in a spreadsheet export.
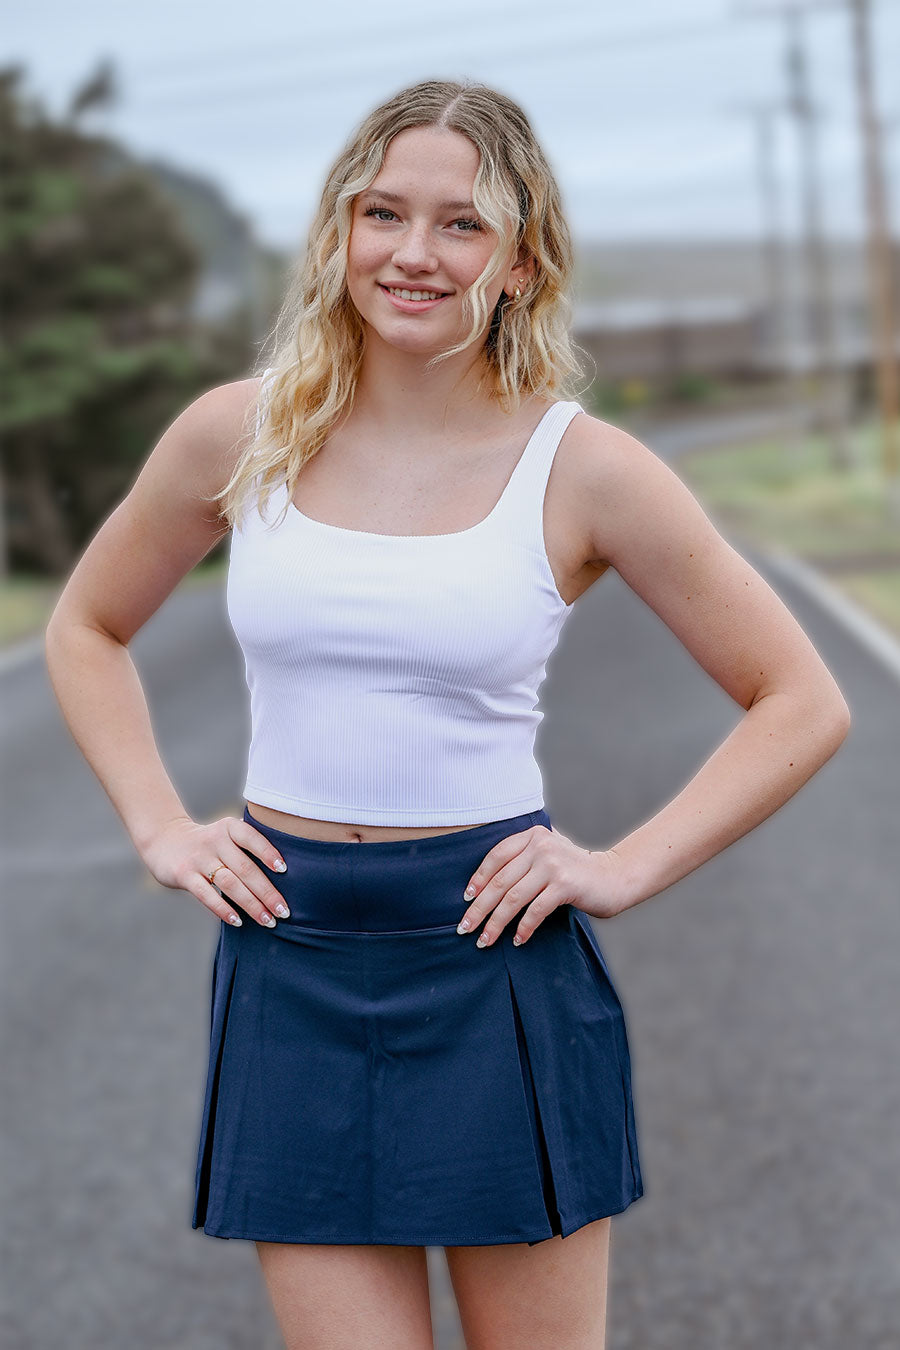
522	504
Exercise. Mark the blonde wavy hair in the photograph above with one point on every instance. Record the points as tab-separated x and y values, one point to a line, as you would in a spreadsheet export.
316	345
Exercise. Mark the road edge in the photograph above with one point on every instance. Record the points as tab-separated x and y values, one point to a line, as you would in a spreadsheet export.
868	631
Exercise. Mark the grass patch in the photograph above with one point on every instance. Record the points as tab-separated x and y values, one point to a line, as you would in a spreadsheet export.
25	605
876	592
786	492
790	494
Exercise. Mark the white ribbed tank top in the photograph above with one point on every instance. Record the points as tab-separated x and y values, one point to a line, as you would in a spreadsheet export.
394	678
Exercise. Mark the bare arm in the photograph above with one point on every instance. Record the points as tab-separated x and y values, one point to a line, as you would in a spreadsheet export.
648	525
156	534
150	541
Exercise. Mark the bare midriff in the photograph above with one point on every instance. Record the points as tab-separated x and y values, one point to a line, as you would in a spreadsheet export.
342	833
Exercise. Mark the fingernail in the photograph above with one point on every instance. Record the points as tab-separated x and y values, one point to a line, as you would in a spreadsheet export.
469	892
279	865
482	941
463	926
233	918
269	921
517	941
282	911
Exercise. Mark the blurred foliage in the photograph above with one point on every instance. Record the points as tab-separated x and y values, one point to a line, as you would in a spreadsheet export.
619	397
692	387
101	350
635	393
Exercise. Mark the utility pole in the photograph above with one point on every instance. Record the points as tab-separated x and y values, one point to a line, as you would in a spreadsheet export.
880	263
829	377
778	336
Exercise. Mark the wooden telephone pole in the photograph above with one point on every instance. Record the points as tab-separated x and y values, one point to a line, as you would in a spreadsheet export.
774	262
882	299
878	237
829	376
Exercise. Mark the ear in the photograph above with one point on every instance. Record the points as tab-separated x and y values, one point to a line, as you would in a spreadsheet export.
526	267
521	272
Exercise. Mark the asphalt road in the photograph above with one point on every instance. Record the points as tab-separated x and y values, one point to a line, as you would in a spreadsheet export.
762	995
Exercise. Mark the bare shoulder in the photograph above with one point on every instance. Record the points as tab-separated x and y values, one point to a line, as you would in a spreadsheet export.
169	520
637	515
621	483
201	445
192	461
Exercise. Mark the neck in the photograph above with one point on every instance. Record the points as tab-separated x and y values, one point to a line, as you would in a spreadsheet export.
395	386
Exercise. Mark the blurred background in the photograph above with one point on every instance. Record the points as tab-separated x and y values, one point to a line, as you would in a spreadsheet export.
730	173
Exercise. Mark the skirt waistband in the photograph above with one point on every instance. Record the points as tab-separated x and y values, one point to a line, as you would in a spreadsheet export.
382	885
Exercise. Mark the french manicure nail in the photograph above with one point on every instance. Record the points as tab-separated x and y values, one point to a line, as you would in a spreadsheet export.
282	911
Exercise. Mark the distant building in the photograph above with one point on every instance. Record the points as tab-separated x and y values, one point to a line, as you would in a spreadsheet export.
647	339
656	310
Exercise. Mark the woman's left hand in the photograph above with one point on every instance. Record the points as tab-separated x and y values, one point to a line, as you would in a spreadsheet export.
538	870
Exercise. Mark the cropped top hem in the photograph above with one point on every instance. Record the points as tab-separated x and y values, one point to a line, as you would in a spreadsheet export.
351	815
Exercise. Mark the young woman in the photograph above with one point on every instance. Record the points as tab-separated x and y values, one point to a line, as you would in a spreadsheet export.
415	504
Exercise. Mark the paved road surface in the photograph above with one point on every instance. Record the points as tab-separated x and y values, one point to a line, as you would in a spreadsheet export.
761	996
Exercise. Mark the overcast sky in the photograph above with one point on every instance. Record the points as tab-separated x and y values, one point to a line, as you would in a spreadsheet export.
638	106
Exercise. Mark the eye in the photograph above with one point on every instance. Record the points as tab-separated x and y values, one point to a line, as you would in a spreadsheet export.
472	226
377	211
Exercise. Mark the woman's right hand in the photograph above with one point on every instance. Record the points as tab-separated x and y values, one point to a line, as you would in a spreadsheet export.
183	853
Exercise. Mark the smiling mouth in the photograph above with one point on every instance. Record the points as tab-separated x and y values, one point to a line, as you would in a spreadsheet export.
414	292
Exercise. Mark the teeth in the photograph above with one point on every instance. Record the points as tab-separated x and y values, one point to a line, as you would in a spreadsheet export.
414	295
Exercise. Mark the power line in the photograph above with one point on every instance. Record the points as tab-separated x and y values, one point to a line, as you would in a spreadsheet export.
368	44
314	79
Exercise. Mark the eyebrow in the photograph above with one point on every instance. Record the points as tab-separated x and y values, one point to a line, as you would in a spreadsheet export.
442	206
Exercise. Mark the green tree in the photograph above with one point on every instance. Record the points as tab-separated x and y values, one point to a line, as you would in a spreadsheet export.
100	348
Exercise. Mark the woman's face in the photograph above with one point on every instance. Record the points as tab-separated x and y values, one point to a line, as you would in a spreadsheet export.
416	229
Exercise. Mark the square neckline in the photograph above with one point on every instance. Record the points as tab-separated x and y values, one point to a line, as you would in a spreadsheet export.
448	534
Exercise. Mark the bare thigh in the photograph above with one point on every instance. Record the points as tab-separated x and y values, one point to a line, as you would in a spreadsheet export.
548	1297
330	1297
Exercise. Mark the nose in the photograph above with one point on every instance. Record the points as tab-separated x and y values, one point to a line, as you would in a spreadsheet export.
414	251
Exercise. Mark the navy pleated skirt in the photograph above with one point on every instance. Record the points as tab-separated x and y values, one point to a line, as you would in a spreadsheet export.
374	1077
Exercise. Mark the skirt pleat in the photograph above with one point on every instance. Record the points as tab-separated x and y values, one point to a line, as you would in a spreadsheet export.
400	1085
